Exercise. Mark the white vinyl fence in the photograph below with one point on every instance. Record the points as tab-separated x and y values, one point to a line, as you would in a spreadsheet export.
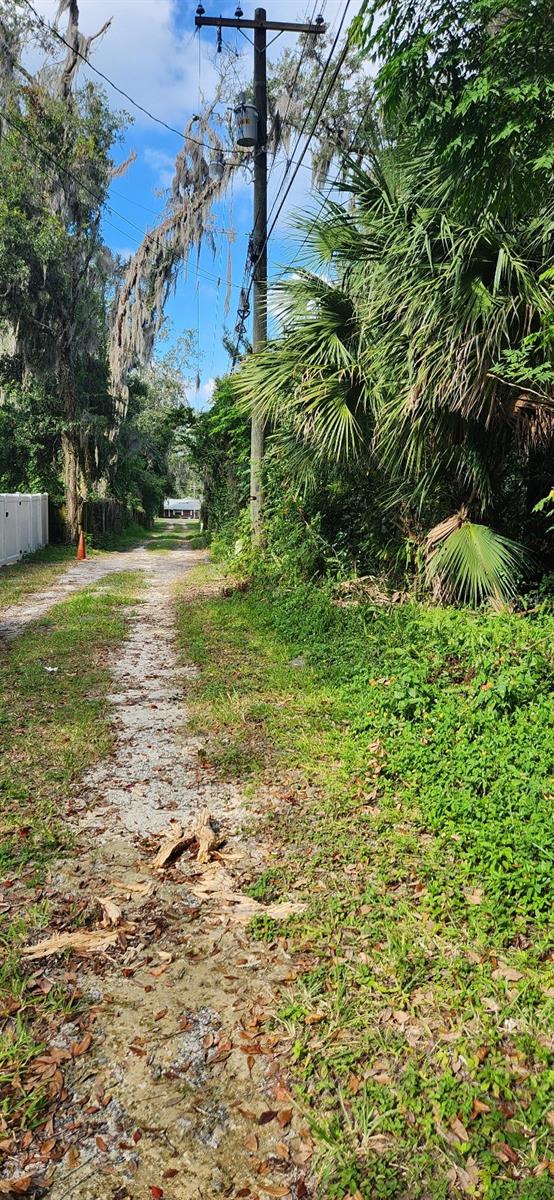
23	525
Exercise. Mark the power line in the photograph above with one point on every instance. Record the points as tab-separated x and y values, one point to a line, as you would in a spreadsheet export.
330	87
61	166
289	102
246	291
334	183
299	161
159	121
338	66
140	107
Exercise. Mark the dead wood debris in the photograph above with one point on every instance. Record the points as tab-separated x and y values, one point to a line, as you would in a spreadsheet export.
366	589
217	884
84	941
204	834
111	912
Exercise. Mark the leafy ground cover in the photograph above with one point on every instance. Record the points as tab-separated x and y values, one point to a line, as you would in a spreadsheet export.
53	725
408	753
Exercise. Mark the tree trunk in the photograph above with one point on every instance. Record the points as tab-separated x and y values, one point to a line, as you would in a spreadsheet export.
71	476
70	449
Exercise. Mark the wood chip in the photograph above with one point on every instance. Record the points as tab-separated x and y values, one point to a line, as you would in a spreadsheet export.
206	837
173	845
111	912
141	889
83	941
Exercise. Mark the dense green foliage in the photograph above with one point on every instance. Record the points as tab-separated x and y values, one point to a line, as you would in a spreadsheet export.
420	343
408	753
61	429
217	443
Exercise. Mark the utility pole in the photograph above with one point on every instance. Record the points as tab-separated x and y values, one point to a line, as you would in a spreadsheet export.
259	253
260	25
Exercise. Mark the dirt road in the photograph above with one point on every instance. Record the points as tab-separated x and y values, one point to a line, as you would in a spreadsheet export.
182	1093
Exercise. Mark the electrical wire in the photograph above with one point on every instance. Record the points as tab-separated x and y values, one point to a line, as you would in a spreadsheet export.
289	102
290	162
254	262
329	89
158	120
334	183
338	66
136	104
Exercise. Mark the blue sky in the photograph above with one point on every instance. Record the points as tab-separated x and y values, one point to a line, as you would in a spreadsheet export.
152	52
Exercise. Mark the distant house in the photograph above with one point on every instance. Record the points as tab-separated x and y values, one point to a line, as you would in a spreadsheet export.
189	508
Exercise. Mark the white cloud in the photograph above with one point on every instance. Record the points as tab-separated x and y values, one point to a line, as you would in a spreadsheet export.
144	54
207	391
162	164
125	252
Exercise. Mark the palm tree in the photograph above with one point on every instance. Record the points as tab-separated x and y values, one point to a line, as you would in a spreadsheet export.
418	341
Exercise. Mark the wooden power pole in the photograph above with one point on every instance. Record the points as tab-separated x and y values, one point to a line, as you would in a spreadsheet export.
260	26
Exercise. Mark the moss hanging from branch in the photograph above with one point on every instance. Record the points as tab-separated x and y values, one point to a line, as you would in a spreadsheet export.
151	273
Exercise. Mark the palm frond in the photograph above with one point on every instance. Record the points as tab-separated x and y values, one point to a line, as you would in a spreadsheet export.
473	563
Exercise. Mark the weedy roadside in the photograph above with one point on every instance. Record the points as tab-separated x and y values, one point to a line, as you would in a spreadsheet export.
406	758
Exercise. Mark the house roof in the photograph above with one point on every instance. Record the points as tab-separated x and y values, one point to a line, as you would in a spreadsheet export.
186	502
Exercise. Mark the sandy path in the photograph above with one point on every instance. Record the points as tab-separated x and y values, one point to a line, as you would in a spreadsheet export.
168	1100
80	575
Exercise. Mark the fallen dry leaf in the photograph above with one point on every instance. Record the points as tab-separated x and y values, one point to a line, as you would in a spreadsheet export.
274	1189
78	1048
509	973
161	970
251	1143
15	1187
505	1152
479	1106
83	941
459	1130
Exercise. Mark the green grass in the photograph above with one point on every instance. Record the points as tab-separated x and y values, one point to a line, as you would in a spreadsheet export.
33	573
37	571
127	539
172	535
53	725
412	758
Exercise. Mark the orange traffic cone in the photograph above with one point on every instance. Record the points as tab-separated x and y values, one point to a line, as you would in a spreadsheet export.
81	548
